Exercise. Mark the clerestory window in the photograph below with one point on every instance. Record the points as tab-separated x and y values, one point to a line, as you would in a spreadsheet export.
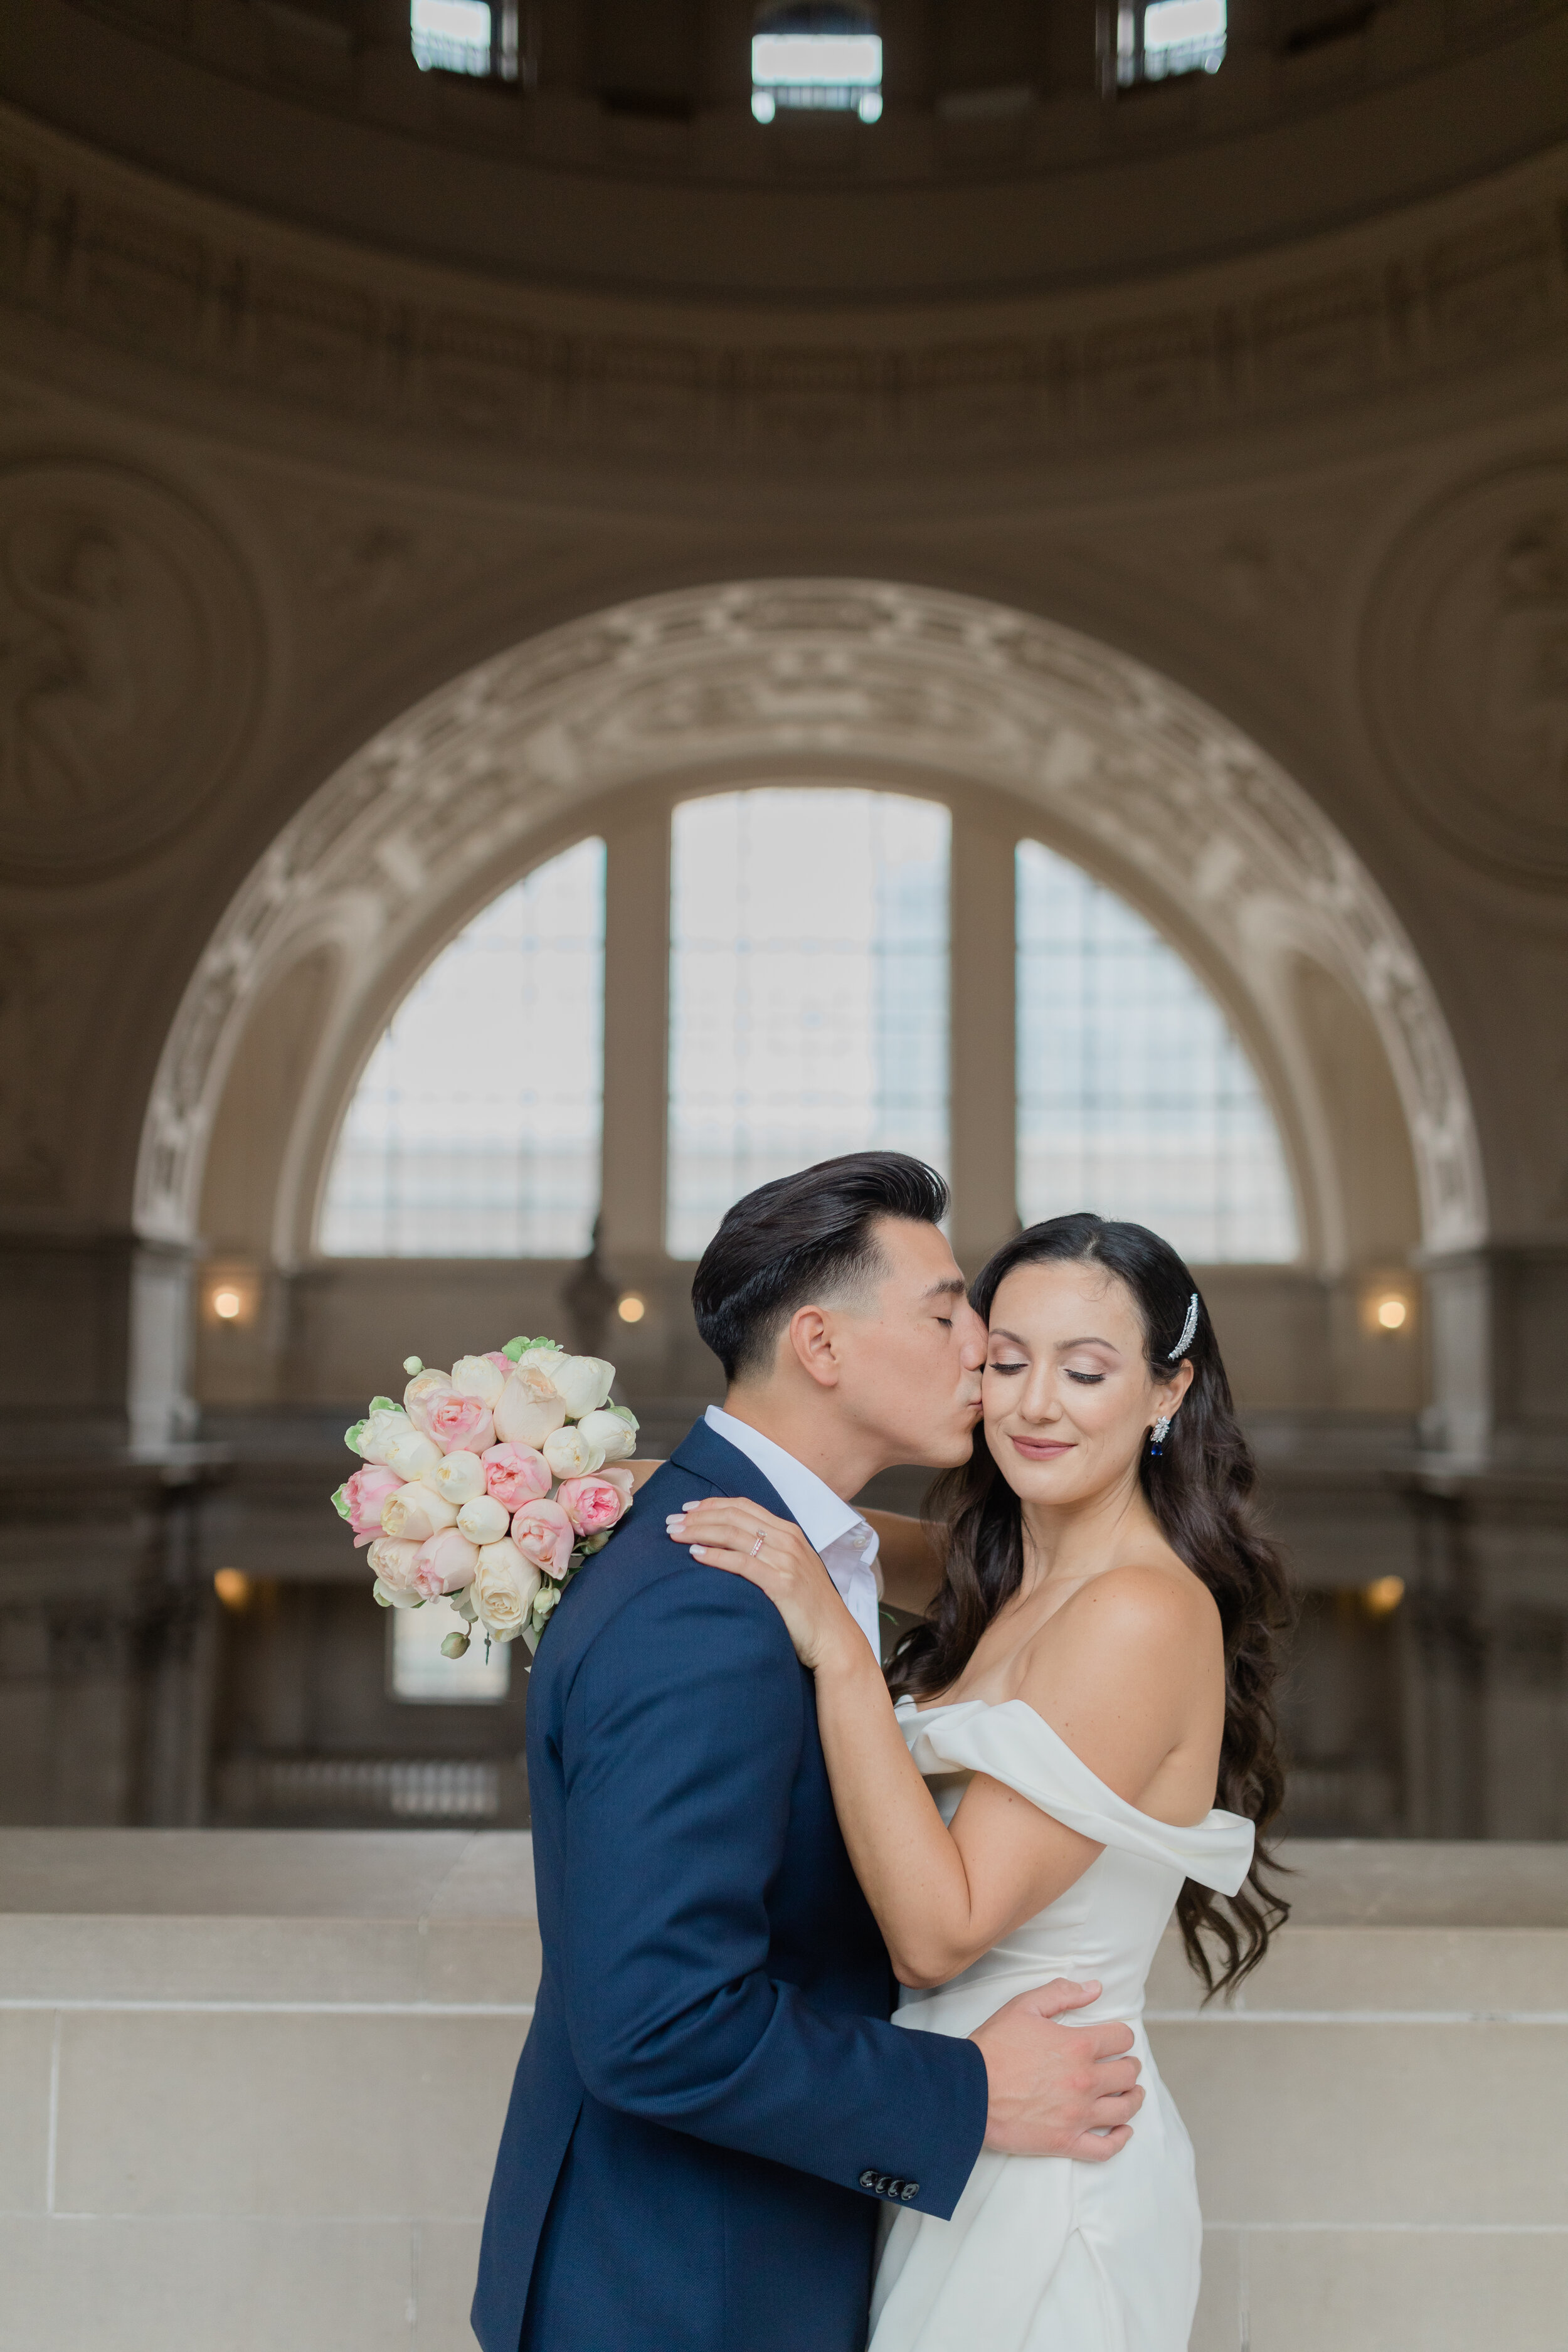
809	55
465	37
1158	38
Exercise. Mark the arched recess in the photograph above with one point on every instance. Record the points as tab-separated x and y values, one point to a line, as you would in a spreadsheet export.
839	680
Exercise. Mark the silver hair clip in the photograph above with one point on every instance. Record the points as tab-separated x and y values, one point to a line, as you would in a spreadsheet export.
1188	1328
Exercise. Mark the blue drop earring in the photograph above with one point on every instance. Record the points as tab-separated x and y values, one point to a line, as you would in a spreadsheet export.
1158	1435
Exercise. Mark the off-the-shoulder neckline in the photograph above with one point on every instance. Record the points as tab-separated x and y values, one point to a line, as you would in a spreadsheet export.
1215	1815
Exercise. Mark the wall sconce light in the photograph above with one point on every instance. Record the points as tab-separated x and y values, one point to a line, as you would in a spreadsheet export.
1387	1307
630	1308
230	1295
233	1588
1382	1596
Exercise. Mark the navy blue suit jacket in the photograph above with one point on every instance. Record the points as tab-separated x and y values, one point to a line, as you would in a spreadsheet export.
710	2102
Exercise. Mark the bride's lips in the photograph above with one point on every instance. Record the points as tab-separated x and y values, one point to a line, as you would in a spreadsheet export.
1041	1449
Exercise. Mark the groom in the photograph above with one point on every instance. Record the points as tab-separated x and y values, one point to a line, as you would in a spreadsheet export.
711	2109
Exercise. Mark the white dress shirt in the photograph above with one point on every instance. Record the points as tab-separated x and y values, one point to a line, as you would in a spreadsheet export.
836	1531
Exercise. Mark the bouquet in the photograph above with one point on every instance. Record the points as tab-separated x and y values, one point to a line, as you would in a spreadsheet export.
490	1486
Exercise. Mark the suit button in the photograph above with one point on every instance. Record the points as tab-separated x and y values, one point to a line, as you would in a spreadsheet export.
884	2184
868	2178
909	2189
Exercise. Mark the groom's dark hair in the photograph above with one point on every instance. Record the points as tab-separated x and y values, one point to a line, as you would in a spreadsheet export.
803	1237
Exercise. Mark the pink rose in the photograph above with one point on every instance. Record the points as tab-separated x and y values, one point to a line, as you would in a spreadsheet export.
424	1390
445	1564
364	1495
516	1475
595	1503
461	1424
543	1535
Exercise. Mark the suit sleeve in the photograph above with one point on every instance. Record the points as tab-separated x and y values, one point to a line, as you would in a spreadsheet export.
681	1738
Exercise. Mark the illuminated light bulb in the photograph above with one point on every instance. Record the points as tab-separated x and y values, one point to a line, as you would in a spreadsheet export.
233	1587
631	1308
227	1304
1383	1595
1392	1313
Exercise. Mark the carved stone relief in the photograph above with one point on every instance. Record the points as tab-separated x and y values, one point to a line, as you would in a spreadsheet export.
276	312
128	667
818	671
1467	670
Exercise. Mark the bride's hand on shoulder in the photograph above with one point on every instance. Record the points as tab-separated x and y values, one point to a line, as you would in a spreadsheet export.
772	1553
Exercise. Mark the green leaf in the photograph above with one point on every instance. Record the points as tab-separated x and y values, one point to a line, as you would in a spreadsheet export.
352	1436
382	1405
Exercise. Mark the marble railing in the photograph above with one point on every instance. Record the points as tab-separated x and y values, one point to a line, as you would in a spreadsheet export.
252	2084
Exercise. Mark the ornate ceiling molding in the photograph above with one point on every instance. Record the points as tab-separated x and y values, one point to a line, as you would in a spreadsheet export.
119	261
443	805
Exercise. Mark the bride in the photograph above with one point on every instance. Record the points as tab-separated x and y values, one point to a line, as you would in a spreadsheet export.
1034	1788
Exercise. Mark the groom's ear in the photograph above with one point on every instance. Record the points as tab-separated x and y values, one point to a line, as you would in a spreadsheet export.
810	1337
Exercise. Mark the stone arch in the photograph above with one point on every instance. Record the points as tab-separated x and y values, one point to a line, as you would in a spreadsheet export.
1109	761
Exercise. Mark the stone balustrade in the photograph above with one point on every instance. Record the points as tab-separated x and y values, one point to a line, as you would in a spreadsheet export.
253	2081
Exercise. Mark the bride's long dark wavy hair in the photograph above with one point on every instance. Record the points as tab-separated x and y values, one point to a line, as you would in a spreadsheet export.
1201	1492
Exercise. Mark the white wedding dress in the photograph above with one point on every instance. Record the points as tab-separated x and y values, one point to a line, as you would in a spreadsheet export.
1043	2254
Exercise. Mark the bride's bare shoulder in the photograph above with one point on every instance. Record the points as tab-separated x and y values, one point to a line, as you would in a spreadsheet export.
1143	1616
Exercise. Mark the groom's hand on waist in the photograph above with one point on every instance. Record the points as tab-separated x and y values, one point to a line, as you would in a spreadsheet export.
1058	2090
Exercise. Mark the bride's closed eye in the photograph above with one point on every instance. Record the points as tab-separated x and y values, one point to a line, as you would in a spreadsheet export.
1087	1380
1006	1367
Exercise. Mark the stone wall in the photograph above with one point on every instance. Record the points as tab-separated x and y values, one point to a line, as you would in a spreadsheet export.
253	2084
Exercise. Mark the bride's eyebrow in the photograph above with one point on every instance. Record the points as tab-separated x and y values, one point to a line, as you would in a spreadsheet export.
1064	1346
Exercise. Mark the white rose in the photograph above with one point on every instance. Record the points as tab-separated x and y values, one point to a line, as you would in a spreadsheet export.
416	1511
393	1561
544	1353
616	1437
388	1436
570	1455
483	1520
458	1477
583	1382
529	1408
391	1596
503	1591
476	1376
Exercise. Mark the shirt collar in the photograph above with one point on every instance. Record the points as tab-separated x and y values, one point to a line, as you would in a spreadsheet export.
823	1515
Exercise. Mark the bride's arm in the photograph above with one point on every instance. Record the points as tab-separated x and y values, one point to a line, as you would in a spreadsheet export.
910	1554
941	1897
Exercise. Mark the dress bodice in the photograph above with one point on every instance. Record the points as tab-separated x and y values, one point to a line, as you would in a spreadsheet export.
1108	1924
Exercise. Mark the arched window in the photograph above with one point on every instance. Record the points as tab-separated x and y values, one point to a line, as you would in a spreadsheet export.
808	989
475	1129
1134	1097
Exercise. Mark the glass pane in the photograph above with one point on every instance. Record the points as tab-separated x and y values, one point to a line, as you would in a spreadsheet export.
420	1673
475	1129
808	989
1169	37
452	34
1134	1097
